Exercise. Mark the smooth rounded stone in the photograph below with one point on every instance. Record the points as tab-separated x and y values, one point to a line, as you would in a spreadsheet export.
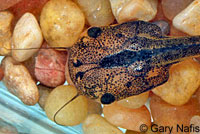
126	10
26	34
127	118
164	26
18	81
188	20
172	7
62	22
50	66
5	32
96	124
97	12
165	114
135	101
65	107
184	80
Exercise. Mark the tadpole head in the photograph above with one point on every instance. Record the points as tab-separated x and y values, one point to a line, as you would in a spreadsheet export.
107	98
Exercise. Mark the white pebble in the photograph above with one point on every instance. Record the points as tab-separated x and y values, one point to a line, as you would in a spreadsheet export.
126	10
188	20
19	82
27	34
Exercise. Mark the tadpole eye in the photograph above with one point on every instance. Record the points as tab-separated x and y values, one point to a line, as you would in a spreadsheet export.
94	32
107	98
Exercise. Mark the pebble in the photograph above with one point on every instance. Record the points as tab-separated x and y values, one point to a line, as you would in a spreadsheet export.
18	81
184	80
26	34
97	12
127	118
172	7
165	114
5	32
135	101
188	20
96	124
127	10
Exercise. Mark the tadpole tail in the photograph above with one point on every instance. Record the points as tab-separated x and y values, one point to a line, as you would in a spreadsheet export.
176	49
54	118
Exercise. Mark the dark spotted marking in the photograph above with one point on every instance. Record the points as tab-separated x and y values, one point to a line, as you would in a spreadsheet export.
78	63
119	35
80	75
128	84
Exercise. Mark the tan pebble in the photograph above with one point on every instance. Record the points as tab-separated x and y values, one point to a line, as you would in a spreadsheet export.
65	107
135	101
26	34
127	118
188	20
5	32
19	82
96	124
97	12
62	22
126	10
184	80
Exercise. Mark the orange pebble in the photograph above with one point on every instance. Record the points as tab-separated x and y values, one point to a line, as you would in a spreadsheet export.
165	114
127	118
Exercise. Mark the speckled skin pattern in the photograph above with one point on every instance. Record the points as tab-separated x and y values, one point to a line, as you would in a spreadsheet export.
126	59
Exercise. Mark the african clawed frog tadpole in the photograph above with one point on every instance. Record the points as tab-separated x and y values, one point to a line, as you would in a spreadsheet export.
114	62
